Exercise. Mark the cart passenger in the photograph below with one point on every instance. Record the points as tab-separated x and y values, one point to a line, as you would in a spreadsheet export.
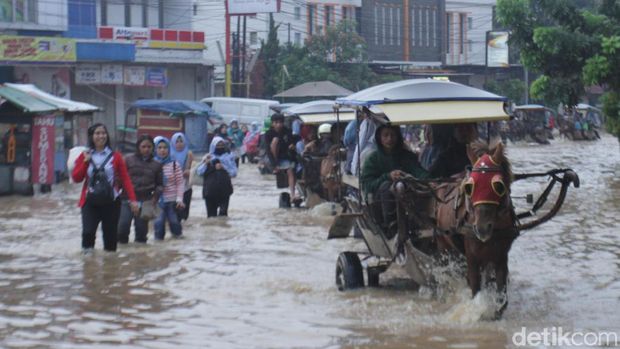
281	144
388	163
321	145
446	153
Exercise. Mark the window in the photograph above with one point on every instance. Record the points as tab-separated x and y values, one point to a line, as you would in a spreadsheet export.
329	15
413	27
428	27
462	33
17	11
391	27
297	12
376	25
434	24
345	15
195	9
383	25
310	19
470	46
420	27
253	38
398	26
470	23
448	32
298	39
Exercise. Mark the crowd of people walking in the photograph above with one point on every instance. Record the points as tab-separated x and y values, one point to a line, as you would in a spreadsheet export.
153	183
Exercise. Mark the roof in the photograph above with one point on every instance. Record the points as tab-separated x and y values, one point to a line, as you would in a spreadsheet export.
175	107
315	89
58	103
321	111
530	106
426	101
239	99
586	106
24	101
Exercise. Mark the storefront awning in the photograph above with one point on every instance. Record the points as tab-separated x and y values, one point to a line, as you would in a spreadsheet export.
58	103
24	101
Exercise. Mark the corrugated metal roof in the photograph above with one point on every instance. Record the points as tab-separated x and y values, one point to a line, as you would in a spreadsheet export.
62	104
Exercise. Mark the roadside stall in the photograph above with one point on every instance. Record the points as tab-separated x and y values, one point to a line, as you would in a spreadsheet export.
37	131
158	117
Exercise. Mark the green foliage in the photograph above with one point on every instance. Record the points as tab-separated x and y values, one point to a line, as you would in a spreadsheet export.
571	44
512	89
269	54
339	56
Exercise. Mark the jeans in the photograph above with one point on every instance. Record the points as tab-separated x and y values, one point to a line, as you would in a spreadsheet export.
169	213
124	224
214	203
108	216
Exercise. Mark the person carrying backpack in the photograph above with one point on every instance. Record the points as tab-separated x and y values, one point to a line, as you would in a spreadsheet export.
105	176
217	168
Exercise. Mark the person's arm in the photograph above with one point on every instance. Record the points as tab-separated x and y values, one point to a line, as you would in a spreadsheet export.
179	183
188	165
273	150
159	183
372	174
119	163
81	167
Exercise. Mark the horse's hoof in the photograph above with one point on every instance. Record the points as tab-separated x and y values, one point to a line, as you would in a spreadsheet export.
499	312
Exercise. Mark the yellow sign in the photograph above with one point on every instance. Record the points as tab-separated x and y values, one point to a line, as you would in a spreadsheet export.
176	45
36	49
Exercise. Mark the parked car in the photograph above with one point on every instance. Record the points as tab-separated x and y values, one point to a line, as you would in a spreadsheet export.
245	110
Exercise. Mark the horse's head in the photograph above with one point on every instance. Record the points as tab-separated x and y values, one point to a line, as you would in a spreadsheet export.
487	188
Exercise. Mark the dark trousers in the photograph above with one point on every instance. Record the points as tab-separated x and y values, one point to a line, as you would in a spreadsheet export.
213	203
124	224
187	200
384	195
108	216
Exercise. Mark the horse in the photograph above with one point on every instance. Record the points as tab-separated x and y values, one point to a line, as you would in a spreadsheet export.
477	217
331	179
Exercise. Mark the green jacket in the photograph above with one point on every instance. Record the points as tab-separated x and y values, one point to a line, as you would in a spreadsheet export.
378	166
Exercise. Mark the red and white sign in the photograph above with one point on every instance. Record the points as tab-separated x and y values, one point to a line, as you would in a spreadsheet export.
156	38
43	149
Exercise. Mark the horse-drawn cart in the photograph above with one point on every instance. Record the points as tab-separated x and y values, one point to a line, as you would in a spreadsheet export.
469	215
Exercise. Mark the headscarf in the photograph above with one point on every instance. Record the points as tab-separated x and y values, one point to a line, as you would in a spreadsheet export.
227	159
179	156
168	158
254	127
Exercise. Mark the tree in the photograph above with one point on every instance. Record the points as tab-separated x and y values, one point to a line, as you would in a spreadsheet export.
572	44
512	89
339	55
269	55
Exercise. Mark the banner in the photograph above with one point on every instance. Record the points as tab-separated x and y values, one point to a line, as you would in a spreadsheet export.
156	77
497	49
43	149
88	74
239	7
112	74
134	76
37	49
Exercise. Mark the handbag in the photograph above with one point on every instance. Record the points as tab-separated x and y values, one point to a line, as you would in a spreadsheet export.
149	210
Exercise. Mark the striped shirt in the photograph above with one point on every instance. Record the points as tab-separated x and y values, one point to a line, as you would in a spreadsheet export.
174	184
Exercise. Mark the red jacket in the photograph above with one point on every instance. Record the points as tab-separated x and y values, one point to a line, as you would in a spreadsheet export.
80	173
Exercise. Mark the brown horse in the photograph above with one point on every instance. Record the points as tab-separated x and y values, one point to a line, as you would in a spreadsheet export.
478	218
331	179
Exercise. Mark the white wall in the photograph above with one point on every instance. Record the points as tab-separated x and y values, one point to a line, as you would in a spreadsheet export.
481	12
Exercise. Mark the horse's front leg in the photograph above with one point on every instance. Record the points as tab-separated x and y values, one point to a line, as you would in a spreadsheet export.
501	281
473	275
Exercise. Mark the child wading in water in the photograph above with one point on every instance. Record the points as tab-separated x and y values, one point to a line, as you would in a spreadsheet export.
172	198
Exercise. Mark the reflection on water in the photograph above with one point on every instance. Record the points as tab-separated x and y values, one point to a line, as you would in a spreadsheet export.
264	278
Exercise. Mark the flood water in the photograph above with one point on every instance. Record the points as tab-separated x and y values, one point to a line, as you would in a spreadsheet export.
264	278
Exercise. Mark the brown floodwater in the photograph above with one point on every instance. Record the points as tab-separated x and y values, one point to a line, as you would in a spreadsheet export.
264	277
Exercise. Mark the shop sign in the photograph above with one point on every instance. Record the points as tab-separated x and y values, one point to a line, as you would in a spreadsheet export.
156	77
43	149
134	76
112	74
36	49
88	74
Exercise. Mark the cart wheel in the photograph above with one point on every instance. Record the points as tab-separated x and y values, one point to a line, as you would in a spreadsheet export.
349	272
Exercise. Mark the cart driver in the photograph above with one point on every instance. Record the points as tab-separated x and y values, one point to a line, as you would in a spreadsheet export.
321	145
385	165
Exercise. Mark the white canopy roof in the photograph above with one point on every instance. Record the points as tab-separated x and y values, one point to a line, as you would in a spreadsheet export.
61	103
321	111
426	101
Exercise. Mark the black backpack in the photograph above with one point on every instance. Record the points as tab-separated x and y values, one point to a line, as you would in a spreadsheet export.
100	191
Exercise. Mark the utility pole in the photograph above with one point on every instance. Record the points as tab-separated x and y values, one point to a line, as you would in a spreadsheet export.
526	74
227	85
